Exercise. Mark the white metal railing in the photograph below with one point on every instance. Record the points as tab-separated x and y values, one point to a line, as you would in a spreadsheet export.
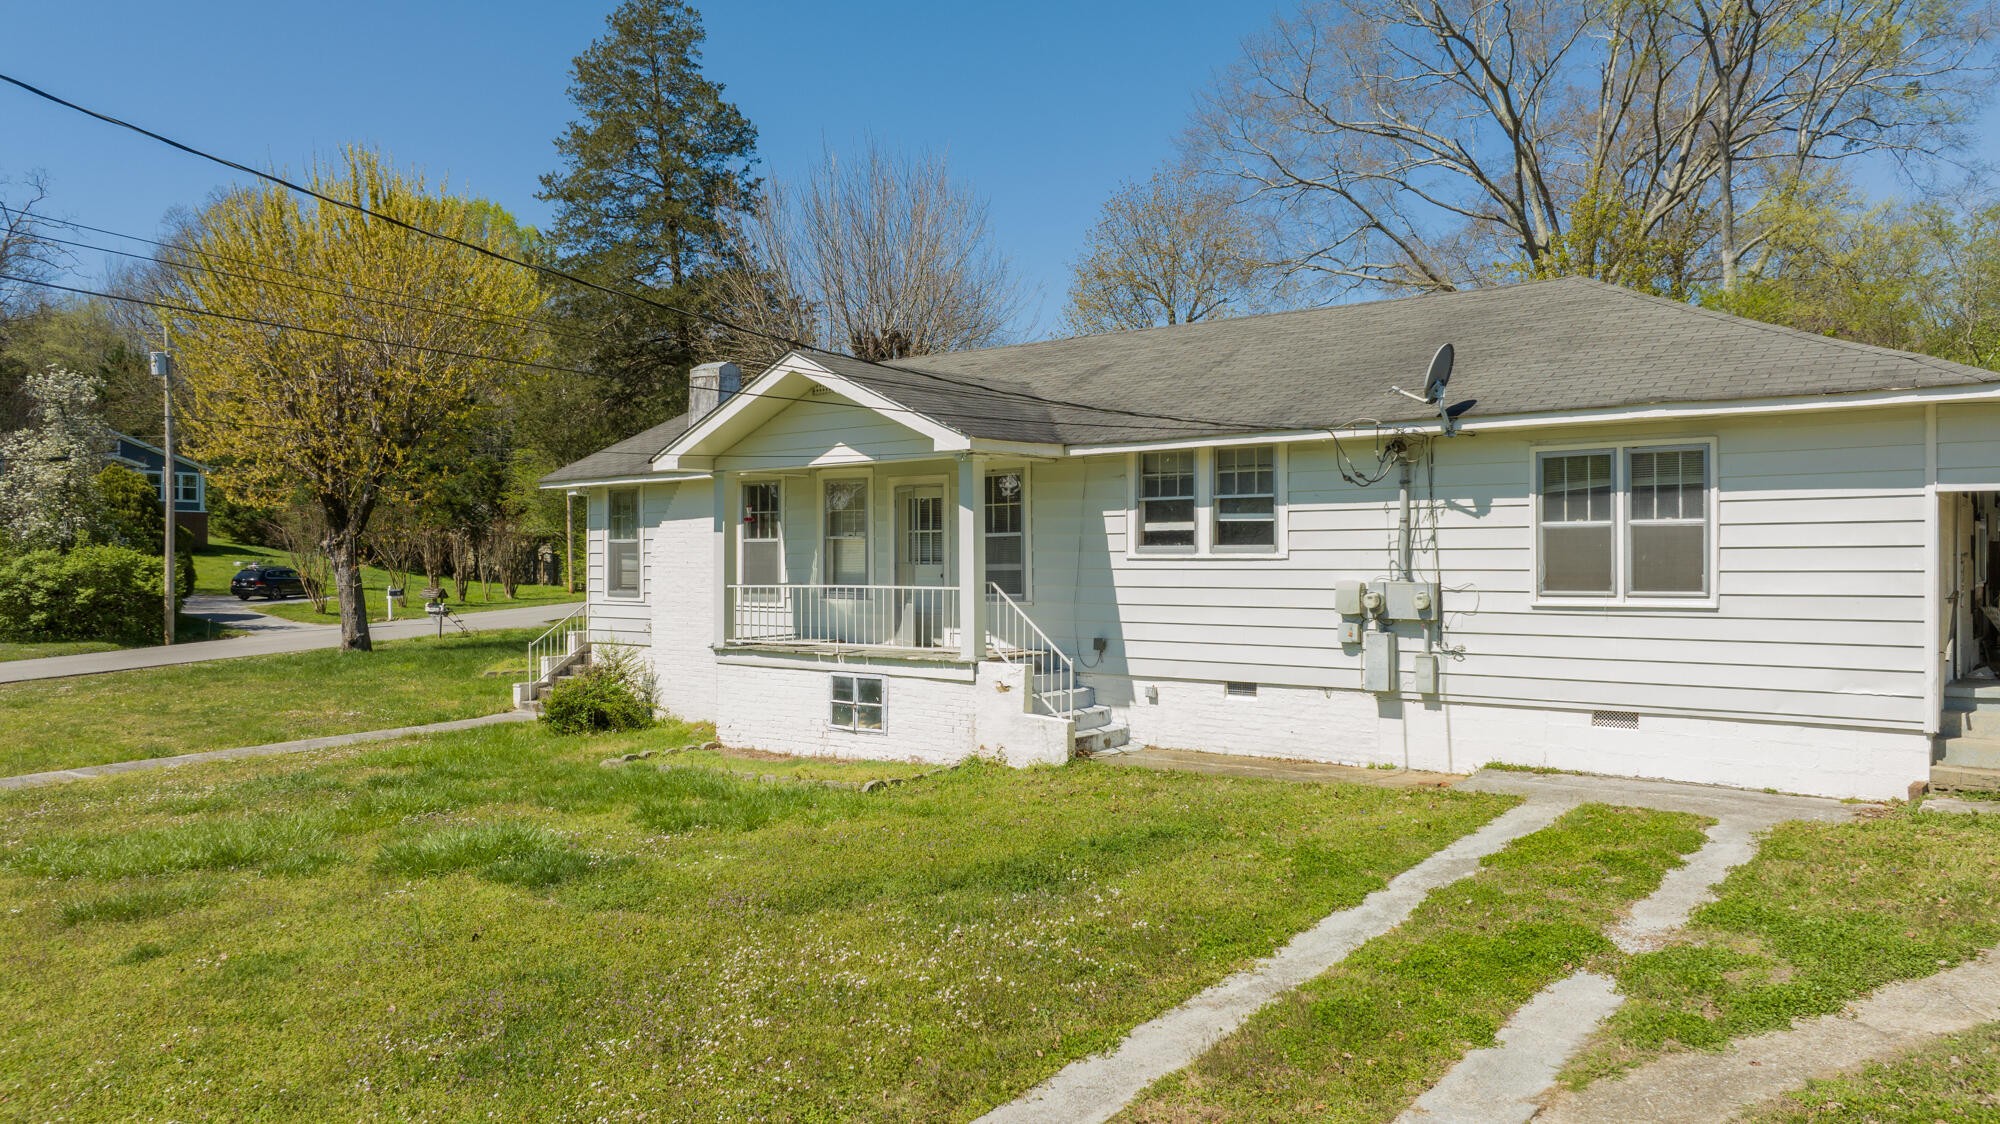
873	616
548	652
1017	639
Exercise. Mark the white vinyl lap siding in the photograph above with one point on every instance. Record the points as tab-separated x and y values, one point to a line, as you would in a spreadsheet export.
1820	541
832	431
1969	445
623	619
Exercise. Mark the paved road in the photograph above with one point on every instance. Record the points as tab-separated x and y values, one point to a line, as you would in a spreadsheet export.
267	636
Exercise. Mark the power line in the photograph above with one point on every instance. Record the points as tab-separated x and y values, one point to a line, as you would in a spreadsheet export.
453	353
552	271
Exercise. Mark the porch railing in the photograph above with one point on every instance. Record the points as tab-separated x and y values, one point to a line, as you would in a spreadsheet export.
872	616
1017	639
552	653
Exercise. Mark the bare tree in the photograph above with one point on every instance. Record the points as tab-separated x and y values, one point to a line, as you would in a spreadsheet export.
26	254
882	257
1442	143
1171	250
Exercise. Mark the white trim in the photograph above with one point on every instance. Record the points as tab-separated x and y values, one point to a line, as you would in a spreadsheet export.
738	485
638	541
883	683
1170	445
621	481
943	438
1620	452
1026	596
1934	677
1204	509
865	474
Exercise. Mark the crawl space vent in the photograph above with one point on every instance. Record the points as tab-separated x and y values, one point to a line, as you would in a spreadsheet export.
1615	719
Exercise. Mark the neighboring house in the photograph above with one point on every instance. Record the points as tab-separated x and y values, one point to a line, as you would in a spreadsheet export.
1665	542
190	487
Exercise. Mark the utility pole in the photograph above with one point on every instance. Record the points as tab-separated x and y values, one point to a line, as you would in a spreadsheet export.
163	369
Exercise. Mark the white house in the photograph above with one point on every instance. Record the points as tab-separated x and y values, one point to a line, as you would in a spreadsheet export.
1662	542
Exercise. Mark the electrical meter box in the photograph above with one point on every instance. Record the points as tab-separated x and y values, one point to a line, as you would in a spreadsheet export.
1410	601
1378	661
1347	598
1424	674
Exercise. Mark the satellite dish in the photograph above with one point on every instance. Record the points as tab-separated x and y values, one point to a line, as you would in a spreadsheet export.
1440	375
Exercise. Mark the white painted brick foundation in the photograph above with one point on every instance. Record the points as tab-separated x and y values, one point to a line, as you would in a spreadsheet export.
1355	728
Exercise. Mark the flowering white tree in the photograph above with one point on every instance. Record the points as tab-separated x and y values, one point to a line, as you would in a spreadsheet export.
48	470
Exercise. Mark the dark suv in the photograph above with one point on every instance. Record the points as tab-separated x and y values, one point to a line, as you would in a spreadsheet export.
266	581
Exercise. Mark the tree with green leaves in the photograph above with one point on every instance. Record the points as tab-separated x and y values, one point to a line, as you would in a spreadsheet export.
655	172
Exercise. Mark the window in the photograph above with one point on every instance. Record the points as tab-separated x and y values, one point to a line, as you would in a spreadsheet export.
1615	523
1668	535
1166	501
1007	531
187	487
622	556
1246	499
847	532
857	703
761	559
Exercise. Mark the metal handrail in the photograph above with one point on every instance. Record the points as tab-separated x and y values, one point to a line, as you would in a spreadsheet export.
545	652
1023	641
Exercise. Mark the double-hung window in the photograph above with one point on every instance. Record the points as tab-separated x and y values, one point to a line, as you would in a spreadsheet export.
847	532
1246	499
1007	531
621	556
761	558
1166	502
187	488
857	703
1624	523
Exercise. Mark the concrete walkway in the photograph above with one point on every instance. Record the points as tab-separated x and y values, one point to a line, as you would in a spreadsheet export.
1507	1083
86	772
1702	1088
1097	1088
267	642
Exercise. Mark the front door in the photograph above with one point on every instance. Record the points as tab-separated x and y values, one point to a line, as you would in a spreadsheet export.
920	565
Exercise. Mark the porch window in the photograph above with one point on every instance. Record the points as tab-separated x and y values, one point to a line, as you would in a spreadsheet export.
1166	501
762	557
1246	500
847	532
857	703
1624	522
1007	531
621	560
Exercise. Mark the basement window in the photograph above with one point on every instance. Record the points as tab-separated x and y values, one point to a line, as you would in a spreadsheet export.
857	703
1240	690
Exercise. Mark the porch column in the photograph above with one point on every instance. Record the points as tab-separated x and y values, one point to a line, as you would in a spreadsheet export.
972	557
724	547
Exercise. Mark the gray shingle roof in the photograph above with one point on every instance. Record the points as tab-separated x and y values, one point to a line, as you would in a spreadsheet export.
1533	348
630	457
1560	345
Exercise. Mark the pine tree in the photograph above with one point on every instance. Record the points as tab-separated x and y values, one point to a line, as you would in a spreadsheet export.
656	171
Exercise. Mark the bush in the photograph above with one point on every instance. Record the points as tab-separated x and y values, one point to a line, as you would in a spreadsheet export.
91	593
614	693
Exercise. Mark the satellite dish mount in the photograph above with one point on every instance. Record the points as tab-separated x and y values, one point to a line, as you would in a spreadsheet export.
1434	386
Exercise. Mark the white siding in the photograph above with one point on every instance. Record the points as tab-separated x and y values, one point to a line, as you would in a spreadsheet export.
833	431
1969	444
1820	616
620	620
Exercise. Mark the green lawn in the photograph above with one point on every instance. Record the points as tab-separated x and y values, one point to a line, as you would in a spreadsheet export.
214	565
1824	914
158	712
1954	1078
1365	1039
492	924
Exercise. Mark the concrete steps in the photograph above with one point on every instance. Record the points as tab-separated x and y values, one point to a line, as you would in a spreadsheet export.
1959	778
1969	738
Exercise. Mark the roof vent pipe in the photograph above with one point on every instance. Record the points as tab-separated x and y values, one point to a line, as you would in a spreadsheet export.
710	385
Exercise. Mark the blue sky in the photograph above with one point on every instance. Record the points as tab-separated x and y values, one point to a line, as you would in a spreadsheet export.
1045	107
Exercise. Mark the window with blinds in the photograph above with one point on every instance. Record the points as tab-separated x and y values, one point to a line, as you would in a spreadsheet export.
1166	501
621	556
1625	522
1246	500
1667	533
1007	531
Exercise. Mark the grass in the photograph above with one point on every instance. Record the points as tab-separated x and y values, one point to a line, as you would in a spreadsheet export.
158	712
1954	1078
1824	914
491	923
214	565
1363	1040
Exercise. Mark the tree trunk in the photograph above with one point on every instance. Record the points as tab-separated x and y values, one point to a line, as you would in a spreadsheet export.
345	546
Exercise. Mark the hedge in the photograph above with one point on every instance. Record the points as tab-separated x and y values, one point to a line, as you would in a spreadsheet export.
91	593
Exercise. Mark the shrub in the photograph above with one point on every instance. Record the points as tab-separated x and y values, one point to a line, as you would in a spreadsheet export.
614	693
91	593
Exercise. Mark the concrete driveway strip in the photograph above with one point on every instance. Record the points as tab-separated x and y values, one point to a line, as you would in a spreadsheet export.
304	638
1097	1088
